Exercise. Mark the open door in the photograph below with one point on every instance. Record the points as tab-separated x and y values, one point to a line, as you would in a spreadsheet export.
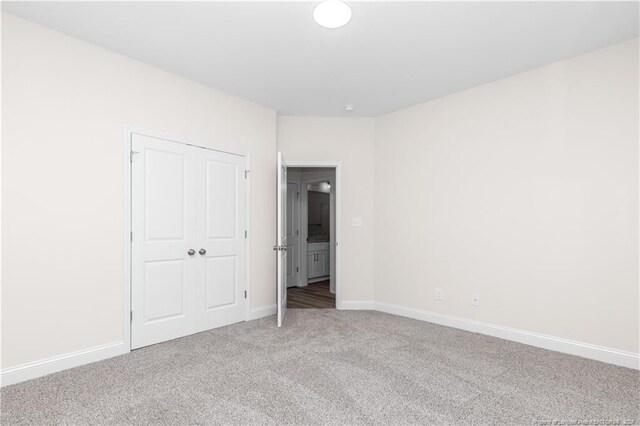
281	246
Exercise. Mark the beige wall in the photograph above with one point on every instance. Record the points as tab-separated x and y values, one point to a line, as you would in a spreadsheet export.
524	191
65	106
349	140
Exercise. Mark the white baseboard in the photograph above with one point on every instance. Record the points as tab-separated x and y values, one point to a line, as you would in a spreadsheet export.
261	312
32	370
29	371
47	366
585	350
356	305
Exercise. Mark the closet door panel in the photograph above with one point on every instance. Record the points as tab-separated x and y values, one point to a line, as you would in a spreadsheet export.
221	187
164	228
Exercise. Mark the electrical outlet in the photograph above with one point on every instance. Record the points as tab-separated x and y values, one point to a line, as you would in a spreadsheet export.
439	294
356	222
475	299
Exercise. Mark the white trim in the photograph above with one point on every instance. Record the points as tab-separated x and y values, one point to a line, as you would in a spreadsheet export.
298	237
51	365
304	235
43	367
247	241
337	165
264	311
356	305
572	347
126	241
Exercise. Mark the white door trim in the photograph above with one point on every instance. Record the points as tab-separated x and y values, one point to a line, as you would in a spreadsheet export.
337	165
298	237
127	228
126	242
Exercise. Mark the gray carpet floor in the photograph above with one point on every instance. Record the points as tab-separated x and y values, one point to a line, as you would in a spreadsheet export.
331	367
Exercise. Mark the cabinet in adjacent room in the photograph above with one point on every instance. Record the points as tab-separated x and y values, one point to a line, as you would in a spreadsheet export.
318	264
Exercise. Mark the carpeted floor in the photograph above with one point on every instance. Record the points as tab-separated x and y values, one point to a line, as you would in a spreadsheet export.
329	366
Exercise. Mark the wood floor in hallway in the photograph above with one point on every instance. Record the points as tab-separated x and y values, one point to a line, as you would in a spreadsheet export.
313	296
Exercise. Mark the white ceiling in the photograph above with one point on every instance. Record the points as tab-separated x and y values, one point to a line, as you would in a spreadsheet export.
390	56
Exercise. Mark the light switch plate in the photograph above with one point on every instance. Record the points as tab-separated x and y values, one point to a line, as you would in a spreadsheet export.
356	221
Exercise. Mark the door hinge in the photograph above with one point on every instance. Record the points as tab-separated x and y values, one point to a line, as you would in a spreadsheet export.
297	195
245	294
245	234
131	235
131	155
297	269
246	173
131	317
297	232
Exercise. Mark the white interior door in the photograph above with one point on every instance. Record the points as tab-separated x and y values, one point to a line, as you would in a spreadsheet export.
281	245
164	230
220	294
188	241
293	234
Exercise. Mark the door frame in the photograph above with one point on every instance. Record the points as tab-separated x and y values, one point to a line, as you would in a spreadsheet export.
298	237
128	232
337	197
304	224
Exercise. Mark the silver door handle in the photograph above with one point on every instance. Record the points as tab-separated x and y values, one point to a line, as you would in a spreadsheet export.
191	252
202	251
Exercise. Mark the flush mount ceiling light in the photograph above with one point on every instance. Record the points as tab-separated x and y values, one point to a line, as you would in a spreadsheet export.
349	108
332	13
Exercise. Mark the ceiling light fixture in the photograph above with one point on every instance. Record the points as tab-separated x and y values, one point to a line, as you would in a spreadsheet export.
332	13
349	108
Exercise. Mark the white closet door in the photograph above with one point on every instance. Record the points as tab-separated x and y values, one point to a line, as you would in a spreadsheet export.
221	239
164	229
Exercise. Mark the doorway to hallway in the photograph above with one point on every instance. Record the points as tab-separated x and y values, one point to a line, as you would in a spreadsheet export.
311	237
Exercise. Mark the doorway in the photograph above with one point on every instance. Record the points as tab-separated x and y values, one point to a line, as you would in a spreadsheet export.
311	237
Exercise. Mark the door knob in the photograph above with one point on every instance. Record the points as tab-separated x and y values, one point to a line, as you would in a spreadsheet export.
191	252
202	251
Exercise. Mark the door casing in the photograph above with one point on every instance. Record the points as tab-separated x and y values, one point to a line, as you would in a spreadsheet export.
127	233
296	259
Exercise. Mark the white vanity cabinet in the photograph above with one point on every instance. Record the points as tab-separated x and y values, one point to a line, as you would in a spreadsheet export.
317	260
